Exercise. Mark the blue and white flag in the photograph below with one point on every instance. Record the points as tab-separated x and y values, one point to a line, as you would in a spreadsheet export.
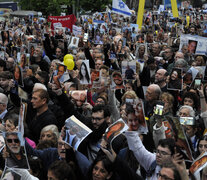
119	7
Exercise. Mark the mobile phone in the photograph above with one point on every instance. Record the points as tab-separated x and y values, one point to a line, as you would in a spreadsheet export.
197	84
159	109
85	39
187	121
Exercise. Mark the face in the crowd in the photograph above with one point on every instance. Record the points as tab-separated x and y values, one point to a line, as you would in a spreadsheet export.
53	66
166	173
174	75
98	64
188	101
185	49
51	176
10	63
132	121
58	53
37	101
99	101
99	172
192	47
61	148
179	55
202	147
4	83
160	76
128	87
150	94
13	143
163	155
83	70
9	126
47	135
97	119
184	112
155	49
190	131
104	73
141	50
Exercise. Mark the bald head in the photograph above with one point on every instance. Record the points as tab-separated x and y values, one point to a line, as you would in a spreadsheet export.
160	76
152	93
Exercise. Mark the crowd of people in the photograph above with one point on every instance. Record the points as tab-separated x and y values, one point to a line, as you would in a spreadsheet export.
147	77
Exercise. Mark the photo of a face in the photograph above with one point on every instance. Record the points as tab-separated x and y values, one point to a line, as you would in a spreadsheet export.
84	73
192	46
18	75
16	151
79	97
175	81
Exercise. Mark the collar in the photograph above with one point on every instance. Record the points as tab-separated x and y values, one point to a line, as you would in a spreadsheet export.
3	114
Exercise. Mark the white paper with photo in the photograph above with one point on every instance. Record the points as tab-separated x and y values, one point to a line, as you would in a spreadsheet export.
114	130
198	165
22	114
128	69
76	132
2	142
11	174
19	150
190	76
74	42
84	73
77	30
201	47
2	55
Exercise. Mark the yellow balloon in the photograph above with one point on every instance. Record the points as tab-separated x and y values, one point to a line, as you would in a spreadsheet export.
69	63
68	56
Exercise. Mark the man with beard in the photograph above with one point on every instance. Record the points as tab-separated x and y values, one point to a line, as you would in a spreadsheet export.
50	155
17	158
37	58
97	123
160	79
151	162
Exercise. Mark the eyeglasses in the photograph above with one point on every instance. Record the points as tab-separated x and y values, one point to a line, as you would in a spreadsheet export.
164	177
162	153
97	119
12	140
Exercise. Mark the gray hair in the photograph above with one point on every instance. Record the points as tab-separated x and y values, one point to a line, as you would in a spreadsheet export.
4	98
39	86
52	128
181	62
190	109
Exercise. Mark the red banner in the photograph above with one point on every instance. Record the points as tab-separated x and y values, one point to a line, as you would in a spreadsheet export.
62	21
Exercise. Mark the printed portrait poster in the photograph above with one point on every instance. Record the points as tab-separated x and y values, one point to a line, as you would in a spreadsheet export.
190	75
76	132
198	165
15	147
137	117
74	42
2	55
11	174
117	80
77	30
114	130
31	48
60	75
84	73
95	79
22	115
128	69
2	142
18	76
79	96
175	81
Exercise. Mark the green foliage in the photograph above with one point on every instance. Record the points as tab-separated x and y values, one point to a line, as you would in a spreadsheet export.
53	7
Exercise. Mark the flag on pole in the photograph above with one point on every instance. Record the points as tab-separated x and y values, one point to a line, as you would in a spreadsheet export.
119	7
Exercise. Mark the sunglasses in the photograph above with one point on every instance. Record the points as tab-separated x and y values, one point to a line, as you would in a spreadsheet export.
12	140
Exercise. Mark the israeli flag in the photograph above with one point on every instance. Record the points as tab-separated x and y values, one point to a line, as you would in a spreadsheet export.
119	7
